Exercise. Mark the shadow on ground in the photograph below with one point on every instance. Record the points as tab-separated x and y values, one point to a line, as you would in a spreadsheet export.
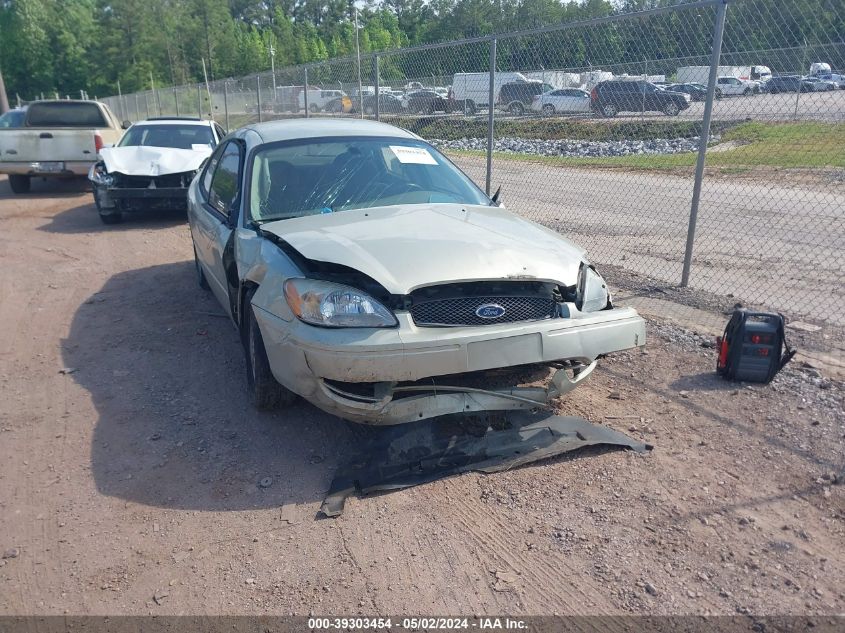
48	188
84	219
175	429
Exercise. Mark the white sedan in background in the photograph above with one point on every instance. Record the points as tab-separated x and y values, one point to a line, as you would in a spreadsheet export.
562	100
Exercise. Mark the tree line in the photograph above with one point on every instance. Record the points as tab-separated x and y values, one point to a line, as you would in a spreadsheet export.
65	46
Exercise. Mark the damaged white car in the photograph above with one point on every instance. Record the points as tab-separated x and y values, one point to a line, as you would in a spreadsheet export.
151	166
369	275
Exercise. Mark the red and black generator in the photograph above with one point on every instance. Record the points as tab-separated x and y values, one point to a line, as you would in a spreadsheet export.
753	347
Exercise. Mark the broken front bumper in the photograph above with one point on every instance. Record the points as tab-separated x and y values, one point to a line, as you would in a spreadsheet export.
311	361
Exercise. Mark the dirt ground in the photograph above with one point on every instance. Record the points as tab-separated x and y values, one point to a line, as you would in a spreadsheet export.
130	461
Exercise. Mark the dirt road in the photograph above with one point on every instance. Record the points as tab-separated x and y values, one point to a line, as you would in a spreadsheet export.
130	458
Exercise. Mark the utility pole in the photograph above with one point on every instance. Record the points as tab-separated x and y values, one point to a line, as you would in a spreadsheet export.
358	50
273	70
4	100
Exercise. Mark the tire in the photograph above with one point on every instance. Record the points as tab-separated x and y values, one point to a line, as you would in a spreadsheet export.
107	216
264	391
719	94
19	184
671	109
314	108
746	92
517	109
369	110
609	110
548	109
202	282
469	107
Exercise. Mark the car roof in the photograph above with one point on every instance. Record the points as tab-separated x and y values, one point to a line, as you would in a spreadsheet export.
292	129
174	121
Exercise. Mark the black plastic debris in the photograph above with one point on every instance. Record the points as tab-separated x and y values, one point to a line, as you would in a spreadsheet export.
412	454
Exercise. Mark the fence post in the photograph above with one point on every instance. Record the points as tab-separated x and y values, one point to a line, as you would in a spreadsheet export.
226	103
490	101
176	99
147	103
377	87
719	30
199	101
305	94
258	96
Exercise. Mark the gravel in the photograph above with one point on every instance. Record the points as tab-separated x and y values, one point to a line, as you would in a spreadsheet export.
575	148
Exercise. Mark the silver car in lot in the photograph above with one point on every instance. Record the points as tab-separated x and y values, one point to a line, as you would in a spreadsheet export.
370	276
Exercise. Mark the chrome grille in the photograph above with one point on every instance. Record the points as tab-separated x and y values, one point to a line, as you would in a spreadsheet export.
462	311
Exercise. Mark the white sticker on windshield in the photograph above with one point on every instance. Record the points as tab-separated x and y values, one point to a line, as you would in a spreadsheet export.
413	155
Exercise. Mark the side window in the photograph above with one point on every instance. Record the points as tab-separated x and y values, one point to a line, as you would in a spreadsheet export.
224	182
205	184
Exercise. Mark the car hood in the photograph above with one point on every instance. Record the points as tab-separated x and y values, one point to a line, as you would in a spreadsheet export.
142	160
408	247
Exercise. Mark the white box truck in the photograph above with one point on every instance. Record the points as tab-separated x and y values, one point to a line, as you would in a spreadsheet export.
471	91
700	74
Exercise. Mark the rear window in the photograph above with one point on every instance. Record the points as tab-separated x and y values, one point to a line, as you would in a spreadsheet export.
65	114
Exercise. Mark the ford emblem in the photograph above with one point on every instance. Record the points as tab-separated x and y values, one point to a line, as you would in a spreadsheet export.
489	311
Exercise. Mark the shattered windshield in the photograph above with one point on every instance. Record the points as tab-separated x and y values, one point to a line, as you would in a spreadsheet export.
330	175
175	136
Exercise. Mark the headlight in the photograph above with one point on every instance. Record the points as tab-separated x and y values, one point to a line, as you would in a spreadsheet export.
333	305
593	294
100	176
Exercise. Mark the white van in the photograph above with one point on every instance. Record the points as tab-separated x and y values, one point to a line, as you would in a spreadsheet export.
317	98
471	91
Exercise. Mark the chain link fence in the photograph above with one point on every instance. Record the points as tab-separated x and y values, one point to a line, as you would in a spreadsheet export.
595	130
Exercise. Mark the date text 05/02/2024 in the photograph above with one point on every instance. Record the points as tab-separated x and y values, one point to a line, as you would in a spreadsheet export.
417	623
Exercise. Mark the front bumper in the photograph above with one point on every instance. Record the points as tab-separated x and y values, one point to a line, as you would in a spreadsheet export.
147	193
302	356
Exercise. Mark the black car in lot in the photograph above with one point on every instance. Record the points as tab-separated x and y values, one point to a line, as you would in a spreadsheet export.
609	98
697	92
787	83
425	102
516	97
386	103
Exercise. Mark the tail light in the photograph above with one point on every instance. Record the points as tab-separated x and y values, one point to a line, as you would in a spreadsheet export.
594	95
98	142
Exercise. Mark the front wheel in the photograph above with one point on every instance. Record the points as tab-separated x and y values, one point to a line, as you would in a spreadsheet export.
19	184
368	110
746	92
107	216
671	109
266	393
548	109
517	109
469	107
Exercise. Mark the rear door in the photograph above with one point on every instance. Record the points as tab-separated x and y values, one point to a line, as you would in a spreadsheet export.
215	220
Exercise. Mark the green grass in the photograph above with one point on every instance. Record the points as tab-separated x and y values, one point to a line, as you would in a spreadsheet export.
805	145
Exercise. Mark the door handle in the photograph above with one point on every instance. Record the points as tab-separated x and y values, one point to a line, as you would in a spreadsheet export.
45	135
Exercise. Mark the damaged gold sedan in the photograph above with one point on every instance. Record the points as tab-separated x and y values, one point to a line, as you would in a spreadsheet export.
370	276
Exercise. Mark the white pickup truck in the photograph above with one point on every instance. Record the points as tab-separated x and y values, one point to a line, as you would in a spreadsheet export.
58	139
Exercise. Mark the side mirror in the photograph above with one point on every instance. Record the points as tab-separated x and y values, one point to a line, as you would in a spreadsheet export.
125	125
496	195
